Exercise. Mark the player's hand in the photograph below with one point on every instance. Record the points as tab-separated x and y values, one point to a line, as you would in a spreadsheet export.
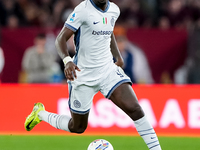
70	72
119	62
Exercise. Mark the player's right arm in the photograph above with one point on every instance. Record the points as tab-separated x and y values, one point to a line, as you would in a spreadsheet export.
61	46
72	24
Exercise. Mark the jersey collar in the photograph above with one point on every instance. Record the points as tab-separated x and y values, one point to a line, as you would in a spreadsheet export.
107	7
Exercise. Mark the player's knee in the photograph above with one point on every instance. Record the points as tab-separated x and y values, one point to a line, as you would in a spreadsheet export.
135	112
138	110
78	130
133	108
81	130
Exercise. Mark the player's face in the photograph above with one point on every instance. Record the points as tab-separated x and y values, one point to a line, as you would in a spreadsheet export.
101	3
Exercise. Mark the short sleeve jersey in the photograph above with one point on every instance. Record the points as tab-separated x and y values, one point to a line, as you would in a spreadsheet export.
93	28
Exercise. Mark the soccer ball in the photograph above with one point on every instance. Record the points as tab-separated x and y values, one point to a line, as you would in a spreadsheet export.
100	144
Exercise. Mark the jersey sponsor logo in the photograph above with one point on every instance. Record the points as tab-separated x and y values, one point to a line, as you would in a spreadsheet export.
102	32
72	18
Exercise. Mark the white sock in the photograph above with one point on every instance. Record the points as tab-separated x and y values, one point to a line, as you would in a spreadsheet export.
57	121
147	132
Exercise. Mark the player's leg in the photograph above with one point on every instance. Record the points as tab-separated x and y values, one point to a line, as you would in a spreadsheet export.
79	103
75	124
39	114
78	123
124	97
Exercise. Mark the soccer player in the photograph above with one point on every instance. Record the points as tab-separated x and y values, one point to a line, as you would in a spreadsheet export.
92	70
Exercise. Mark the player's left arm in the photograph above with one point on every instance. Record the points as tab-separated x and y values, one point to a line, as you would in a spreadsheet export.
115	52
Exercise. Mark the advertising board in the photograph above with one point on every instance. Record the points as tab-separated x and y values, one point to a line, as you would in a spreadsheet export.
171	109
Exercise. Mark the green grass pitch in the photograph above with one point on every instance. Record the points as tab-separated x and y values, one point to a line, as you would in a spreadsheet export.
80	142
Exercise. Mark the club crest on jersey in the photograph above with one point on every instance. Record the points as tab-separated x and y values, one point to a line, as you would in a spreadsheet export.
112	21
72	18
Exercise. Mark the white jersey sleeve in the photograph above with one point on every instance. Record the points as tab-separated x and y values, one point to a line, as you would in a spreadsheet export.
117	10
75	19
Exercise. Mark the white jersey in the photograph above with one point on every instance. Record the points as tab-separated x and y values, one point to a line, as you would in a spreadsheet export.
93	28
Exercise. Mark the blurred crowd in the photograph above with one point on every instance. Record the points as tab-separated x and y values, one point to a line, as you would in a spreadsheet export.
162	14
134	13
148	14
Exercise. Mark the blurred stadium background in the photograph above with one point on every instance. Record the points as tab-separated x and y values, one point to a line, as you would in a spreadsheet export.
164	65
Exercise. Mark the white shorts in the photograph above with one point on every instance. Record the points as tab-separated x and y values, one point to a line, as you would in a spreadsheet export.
81	93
